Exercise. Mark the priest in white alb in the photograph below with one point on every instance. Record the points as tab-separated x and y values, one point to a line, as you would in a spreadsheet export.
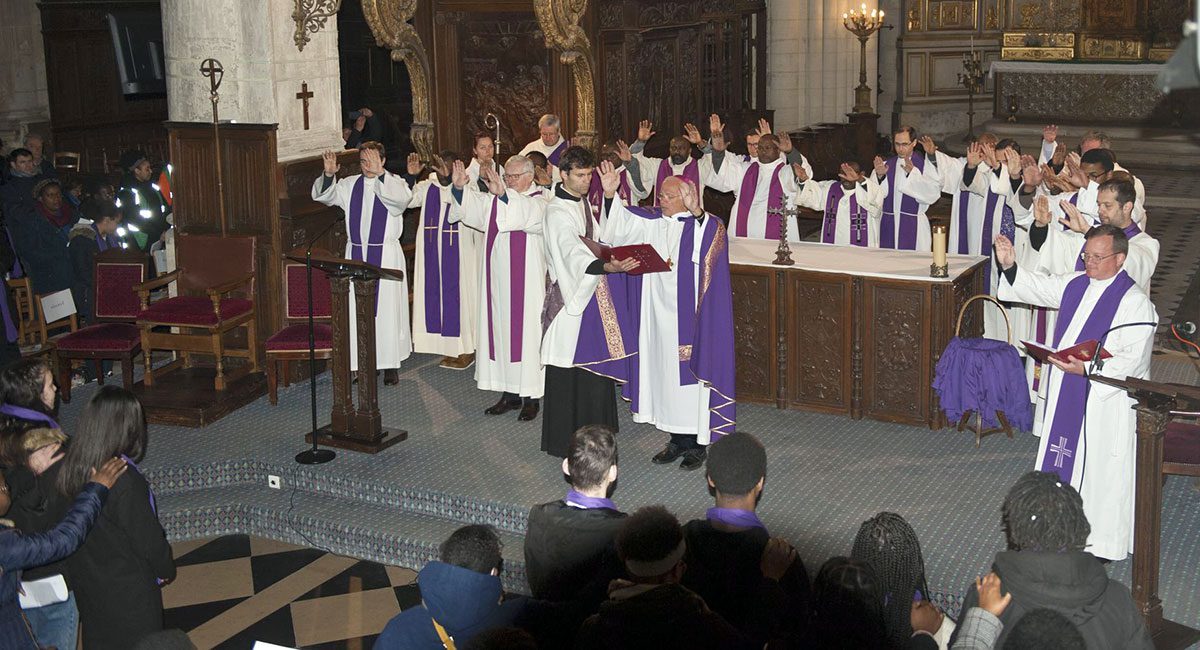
684	380
1054	152
446	273
758	186
684	158
911	183
550	142
850	206
374	203
1088	434
512	282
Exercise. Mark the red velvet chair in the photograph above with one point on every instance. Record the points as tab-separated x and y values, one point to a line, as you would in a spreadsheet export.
291	343
1181	449
112	334
211	269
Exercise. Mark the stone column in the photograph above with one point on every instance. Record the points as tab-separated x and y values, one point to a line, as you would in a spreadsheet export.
254	40
23	96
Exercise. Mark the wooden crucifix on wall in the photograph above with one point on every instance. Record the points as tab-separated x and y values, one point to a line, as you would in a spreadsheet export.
304	95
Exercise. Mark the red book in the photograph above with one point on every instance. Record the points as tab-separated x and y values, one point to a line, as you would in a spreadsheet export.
1082	351
649	261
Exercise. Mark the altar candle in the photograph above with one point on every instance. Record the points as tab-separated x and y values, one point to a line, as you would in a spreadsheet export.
939	245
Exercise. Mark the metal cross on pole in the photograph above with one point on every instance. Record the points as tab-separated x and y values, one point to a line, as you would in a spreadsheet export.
783	254
212	69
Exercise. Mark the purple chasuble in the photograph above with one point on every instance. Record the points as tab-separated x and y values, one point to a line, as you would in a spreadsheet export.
1071	406
374	243
442	314
745	198
691	172
555	155
858	217
516	287
735	517
576	499
909	209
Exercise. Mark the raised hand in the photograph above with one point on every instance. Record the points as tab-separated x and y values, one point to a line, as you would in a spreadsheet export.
974	155
764	127
881	168
1006	255
908	165
413	164
331	163
1013	160
847	171
1031	175
1059	157
371	163
1050	133
610	179
1073	175
458	175
802	175
360	123
691	201
989	155
1073	158
1074	219
645	130
692	134
492	179
1041	210
541	176
109	472
715	125
928	145
785	143
623	151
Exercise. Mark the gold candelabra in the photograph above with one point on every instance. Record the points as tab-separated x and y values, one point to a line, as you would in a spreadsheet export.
862	25
971	78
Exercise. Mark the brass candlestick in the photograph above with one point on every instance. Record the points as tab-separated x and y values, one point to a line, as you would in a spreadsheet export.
862	25
783	254
971	78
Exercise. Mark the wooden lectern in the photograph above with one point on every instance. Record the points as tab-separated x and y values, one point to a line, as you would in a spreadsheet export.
1155	401
355	428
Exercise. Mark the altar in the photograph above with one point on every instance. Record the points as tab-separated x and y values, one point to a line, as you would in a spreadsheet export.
851	331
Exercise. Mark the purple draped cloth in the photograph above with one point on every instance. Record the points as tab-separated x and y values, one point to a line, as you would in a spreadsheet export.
442	313
984	376
556	155
745	199
858	217
691	172
1071	405
378	227
909	210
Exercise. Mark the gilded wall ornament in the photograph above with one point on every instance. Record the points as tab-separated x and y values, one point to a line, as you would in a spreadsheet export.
914	19
310	17
389	22
993	19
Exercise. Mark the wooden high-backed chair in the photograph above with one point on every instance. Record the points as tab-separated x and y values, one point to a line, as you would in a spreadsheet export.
210	269
26	316
291	343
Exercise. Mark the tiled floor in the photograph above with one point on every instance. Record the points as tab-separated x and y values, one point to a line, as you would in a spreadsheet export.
234	590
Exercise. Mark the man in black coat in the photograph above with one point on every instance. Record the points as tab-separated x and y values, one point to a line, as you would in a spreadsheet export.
569	543
1046	566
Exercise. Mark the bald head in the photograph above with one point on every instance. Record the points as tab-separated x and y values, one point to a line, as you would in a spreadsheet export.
670	195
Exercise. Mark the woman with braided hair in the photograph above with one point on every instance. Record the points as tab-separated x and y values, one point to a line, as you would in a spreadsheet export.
890	546
848	612
1046	566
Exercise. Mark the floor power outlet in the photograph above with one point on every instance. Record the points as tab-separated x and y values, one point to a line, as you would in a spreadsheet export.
273	481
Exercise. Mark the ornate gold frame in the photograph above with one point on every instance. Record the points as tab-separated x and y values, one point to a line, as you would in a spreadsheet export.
310	17
559	20
389	22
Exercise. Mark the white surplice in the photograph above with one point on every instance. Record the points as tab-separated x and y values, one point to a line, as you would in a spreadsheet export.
567	260
729	179
648	167
468	240
814	195
474	169
521	212
393	337
1104	461
1139	189
538	145
663	401
924	186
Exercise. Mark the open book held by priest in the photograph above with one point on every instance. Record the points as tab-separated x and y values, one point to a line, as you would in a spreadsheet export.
1082	351
649	261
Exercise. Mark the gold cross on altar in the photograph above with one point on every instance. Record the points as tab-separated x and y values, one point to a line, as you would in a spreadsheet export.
305	94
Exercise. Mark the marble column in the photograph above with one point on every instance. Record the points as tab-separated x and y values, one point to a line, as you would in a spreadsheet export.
23	96
264	70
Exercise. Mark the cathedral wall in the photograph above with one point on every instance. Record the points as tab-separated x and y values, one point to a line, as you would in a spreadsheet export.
23	96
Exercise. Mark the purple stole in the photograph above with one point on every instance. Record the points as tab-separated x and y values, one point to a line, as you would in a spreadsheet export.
691	172
985	236
441	268
1071	406
595	195
374	243
909	208
516	278
858	217
745	198
1131	231
555	155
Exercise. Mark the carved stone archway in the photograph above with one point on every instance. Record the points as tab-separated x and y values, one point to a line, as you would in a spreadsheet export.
559	20
389	21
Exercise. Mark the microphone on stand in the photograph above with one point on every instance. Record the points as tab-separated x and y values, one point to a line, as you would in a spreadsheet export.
1098	363
314	456
1187	329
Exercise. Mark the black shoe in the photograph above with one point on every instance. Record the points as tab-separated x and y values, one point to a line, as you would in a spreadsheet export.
693	459
503	406
528	412
391	377
669	454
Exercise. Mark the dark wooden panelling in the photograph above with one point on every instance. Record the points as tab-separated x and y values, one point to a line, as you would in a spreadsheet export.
754	333
897	350
819	366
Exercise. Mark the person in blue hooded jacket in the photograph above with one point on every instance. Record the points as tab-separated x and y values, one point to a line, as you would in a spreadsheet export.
460	596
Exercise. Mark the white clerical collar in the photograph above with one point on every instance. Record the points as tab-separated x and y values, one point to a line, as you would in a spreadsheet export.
1102	283
682	214
771	165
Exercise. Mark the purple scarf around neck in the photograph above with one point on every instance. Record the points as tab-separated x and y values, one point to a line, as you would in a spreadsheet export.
691	172
23	413
745	199
378	227
1071	405
442	313
577	499
858	217
105	242
735	517
909	210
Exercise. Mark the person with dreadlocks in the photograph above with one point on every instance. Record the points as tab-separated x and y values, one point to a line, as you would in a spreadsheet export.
1046	566
889	544
848	612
